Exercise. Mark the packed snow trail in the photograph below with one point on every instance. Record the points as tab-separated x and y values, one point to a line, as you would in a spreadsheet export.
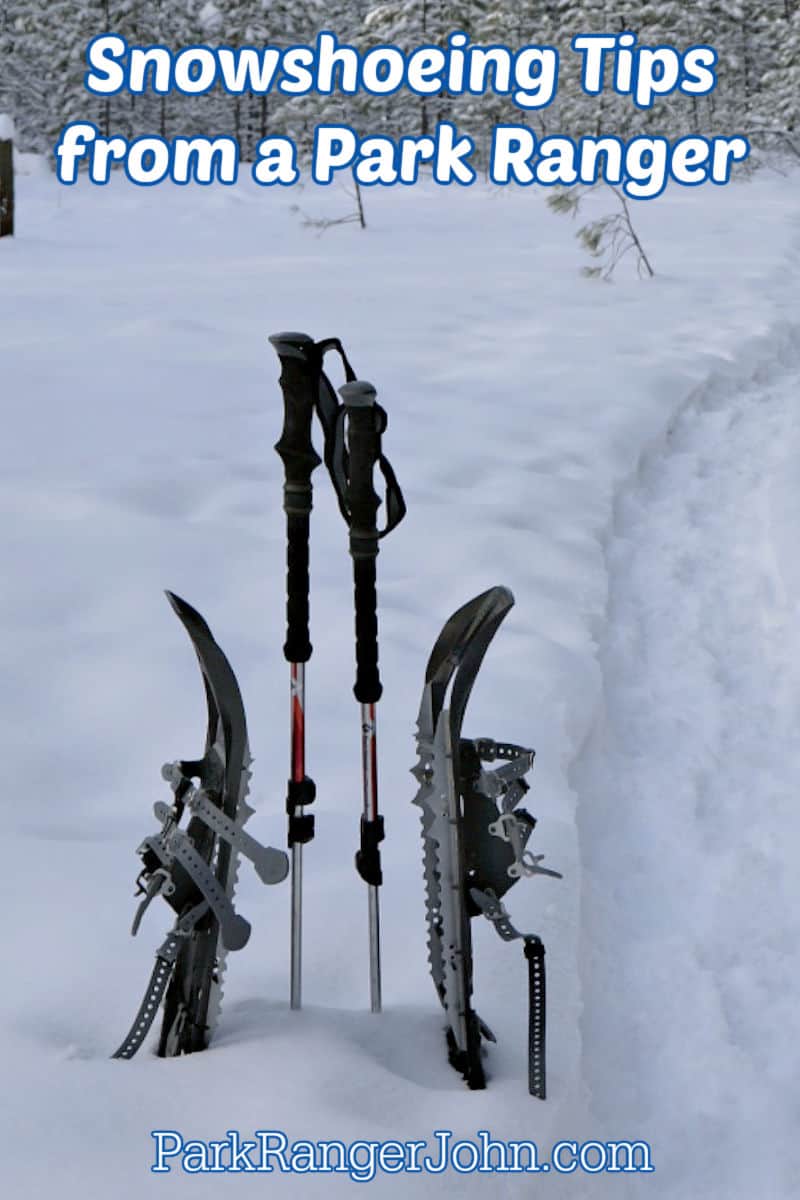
689	805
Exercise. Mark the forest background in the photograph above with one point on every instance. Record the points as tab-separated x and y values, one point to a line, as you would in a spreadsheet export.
43	46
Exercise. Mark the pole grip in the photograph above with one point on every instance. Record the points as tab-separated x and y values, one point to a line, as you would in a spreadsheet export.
365	422
299	380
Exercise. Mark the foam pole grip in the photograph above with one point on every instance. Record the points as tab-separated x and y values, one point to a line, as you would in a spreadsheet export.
364	447
300	371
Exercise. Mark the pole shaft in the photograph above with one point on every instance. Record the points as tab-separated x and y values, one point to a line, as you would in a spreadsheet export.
299	381
369	764
298	770
365	423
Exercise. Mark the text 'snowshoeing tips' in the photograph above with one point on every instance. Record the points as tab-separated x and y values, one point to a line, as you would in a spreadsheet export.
528	76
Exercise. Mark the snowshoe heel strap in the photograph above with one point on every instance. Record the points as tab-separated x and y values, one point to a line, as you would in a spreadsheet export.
534	953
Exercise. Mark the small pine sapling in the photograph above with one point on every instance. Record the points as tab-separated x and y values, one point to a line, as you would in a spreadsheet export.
607	239
350	218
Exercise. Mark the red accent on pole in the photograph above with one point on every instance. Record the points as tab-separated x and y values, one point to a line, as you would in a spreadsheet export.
298	731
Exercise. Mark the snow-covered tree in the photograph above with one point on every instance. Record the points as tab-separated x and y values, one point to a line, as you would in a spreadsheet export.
43	44
781	93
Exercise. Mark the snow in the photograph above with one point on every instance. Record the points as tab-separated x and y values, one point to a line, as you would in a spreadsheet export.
620	456
6	127
700	662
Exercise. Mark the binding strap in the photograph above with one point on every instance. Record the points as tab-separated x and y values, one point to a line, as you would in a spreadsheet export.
534	953
166	957
496	912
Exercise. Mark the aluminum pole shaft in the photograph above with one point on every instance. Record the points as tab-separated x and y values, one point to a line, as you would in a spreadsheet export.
369	762
298	771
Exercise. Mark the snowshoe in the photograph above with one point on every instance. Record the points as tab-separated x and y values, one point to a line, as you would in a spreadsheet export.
475	837
195	868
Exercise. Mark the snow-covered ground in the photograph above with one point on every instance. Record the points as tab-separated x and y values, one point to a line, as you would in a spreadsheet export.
620	456
688	813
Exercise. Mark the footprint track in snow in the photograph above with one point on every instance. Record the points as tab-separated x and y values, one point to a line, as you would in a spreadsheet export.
688	814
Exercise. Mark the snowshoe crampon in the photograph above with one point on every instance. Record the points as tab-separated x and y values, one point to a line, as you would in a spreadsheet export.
475	837
194	867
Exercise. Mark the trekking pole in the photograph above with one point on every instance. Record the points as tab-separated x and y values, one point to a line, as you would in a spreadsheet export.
299	385
306	391
366	422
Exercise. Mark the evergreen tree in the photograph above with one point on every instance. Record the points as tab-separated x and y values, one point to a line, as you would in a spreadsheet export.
43	45
782	83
